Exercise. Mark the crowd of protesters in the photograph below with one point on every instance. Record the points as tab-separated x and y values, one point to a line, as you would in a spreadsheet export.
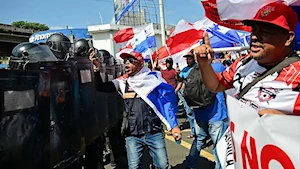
272	40
209	120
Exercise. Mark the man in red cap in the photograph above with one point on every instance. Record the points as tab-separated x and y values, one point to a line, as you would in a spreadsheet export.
272	39
133	62
148	101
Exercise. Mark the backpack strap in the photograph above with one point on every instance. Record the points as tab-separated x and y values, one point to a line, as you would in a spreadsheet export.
286	62
130	109
196	68
124	126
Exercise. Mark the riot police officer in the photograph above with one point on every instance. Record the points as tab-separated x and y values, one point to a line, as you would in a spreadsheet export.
24	131
69	106
27	52
110	68
81	48
60	45
89	124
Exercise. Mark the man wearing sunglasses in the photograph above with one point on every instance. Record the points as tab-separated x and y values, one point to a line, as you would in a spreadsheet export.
148	100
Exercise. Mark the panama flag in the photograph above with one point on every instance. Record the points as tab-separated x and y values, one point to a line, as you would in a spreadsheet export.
140	39
187	36
229	13
183	38
155	91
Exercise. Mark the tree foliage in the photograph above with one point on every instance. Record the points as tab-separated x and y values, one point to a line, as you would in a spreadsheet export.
30	25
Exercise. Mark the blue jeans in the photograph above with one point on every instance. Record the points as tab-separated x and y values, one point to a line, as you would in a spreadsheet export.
215	129
189	112
157	149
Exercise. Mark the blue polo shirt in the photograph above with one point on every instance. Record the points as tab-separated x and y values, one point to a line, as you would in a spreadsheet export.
217	111
186	71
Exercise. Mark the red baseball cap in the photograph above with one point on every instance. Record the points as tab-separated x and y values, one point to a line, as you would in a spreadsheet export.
276	13
134	54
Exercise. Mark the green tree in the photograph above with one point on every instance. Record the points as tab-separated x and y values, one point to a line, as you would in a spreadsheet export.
30	25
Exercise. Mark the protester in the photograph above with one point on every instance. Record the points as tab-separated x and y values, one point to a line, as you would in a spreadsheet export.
210	113
212	120
180	89
150	65
272	39
145	109
170	74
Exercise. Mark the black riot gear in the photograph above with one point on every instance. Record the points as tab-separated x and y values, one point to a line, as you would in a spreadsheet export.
104	54
60	45
81	48
53	106
29	53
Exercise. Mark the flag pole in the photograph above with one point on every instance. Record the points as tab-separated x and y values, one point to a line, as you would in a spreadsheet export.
152	62
162	23
229	49
156	57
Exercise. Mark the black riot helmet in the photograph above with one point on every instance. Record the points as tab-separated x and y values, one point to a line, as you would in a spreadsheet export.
81	48
27	52
105	54
60	45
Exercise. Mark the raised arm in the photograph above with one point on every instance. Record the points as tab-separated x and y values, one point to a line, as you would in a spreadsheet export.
204	55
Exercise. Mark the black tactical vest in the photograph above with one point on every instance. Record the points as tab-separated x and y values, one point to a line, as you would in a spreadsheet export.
142	119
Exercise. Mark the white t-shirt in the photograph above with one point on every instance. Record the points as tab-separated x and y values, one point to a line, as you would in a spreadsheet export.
279	91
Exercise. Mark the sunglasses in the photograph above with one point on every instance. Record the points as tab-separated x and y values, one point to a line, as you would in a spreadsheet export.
131	60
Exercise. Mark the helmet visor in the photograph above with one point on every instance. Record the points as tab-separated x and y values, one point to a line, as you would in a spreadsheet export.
40	53
61	49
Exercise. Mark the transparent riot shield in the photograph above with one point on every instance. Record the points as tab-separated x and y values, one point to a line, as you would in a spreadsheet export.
115	108
24	121
90	125
101	107
66	140
110	105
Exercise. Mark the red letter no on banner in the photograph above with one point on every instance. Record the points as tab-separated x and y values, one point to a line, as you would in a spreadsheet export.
271	152
252	158
268	153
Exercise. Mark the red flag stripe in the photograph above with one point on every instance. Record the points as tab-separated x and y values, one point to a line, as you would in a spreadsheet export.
124	35
211	12
162	53
184	36
184	40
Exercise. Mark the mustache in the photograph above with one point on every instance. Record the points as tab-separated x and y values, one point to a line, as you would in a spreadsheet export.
255	42
257	45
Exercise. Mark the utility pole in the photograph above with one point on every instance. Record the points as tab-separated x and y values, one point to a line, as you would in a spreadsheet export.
162	22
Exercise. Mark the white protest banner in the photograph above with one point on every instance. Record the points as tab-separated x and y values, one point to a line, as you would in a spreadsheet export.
266	142
225	150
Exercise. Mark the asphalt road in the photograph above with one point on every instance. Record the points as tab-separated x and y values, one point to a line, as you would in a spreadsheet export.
177	153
